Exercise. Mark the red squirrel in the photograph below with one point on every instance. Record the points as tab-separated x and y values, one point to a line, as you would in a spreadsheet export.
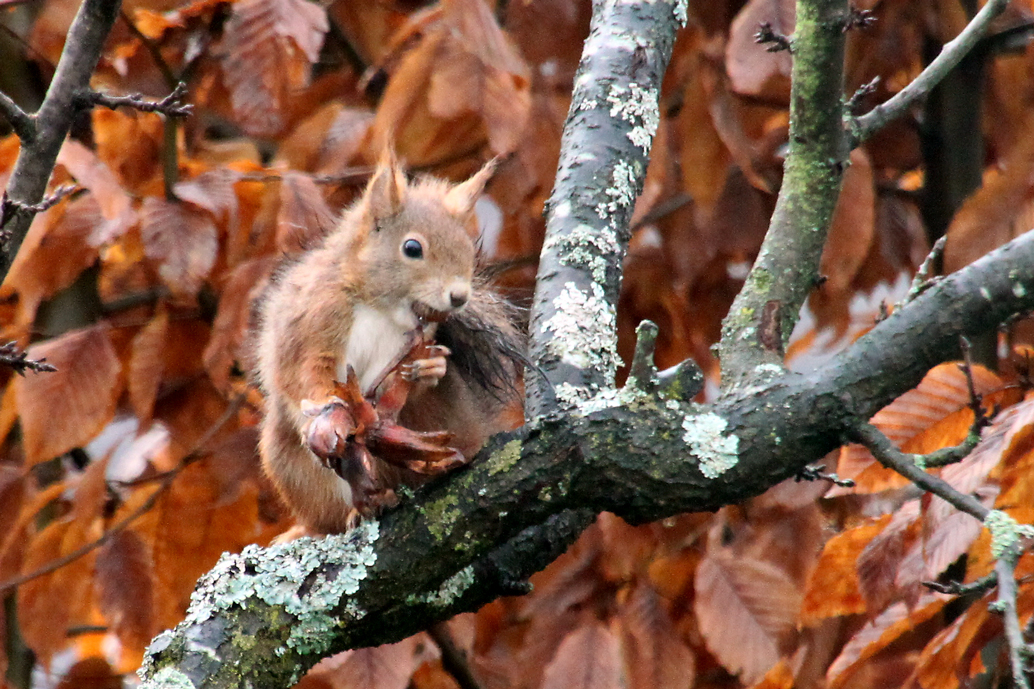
399	266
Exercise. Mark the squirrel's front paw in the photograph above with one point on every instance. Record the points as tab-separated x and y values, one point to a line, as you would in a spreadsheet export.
329	429
430	369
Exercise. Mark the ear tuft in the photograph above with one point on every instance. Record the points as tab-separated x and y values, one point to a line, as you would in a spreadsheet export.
386	191
461	198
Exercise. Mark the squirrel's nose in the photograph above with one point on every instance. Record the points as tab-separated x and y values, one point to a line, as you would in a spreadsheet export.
458	297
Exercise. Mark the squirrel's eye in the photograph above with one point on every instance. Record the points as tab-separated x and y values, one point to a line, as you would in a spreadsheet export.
411	248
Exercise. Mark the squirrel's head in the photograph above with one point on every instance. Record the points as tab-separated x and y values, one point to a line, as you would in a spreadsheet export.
419	240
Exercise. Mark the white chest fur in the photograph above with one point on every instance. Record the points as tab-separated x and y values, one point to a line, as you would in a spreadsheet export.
376	338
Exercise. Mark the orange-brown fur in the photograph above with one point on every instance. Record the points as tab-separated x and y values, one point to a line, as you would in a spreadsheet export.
360	276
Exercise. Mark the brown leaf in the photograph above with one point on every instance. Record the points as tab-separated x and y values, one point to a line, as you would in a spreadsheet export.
913	423
183	241
753	71
747	611
655	656
380	667
847	246
999	210
124	585
213	191
164	354
588	658
833	588
65	409
56	251
464	77
90	172
879	562
268	49
887	628
304	216
226	346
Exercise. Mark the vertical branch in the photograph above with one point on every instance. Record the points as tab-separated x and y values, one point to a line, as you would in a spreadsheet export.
606	144
767	308
35	162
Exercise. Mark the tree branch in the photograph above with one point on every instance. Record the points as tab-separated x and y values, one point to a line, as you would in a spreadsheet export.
951	54
765	311
604	152
259	616
36	159
21	122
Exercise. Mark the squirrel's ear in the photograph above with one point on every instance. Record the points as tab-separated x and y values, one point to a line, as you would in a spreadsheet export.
386	191
461	198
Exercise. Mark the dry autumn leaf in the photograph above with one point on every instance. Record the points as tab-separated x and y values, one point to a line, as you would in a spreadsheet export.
747	611
267	51
588	658
65	409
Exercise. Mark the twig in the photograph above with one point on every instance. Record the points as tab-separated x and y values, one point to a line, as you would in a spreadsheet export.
868	124
864	90
922	280
170	106
23	124
194	455
954	588
453	659
777	41
1019	651
815	472
859	19
9	207
13	358
889	456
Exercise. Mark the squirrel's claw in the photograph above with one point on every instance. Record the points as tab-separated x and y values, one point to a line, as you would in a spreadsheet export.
329	429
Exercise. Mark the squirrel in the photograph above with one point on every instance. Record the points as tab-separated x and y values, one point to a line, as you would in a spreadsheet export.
398	269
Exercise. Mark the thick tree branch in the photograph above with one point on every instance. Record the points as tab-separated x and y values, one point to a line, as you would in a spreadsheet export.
767	308
951	54
36	159
267	615
606	143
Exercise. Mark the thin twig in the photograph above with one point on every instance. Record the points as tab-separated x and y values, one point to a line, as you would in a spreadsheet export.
954	588
194	455
11	357
23	124
170	106
951	54
923	280
775	40
889	456
815	472
864	90
1019	651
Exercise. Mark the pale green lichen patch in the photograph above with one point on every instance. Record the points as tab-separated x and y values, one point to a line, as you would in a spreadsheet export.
585	247
681	10
706	436
637	106
168	678
442	515
569	395
1006	532
281	576
584	329
450	590
504	458
622	191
